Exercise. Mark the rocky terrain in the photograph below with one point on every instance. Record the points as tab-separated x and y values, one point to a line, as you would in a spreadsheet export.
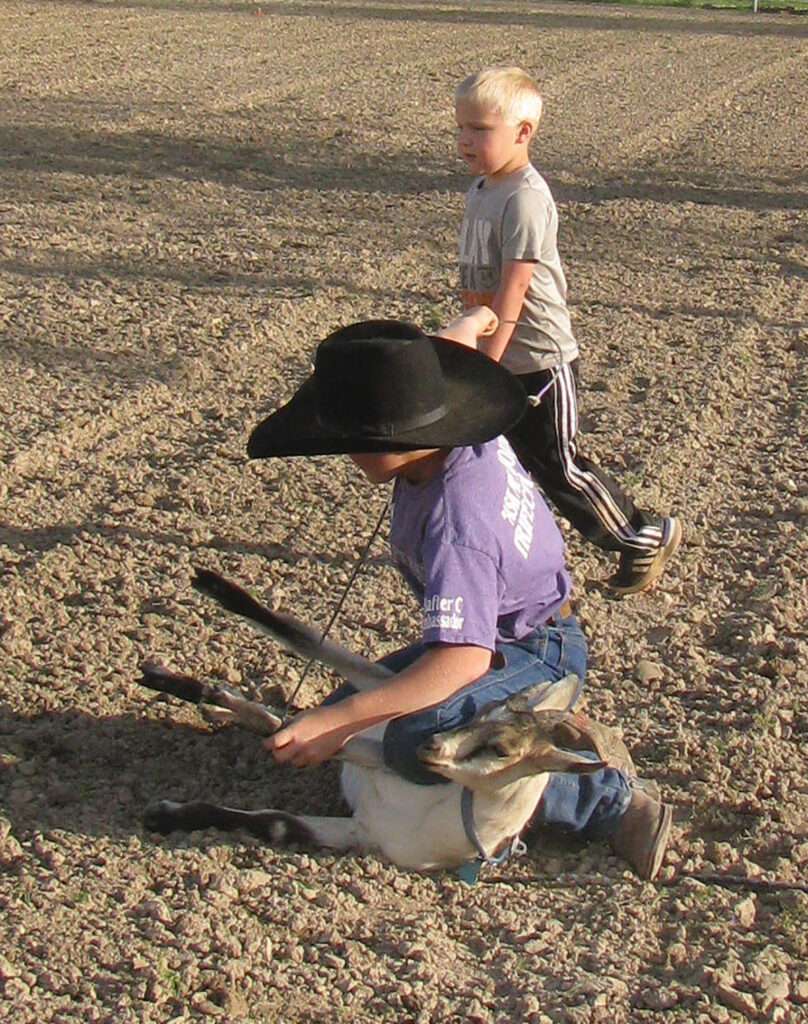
192	194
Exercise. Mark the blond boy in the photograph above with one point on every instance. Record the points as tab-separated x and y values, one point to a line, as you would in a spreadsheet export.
509	261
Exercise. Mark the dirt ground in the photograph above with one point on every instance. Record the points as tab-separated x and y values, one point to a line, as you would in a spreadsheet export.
191	195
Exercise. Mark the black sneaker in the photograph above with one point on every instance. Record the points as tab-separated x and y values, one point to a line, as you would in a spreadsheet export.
638	572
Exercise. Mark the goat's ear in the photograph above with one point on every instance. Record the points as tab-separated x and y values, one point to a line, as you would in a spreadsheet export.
554	759
569	731
577	731
549	695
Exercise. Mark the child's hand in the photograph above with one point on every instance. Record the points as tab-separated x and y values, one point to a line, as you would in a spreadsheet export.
311	737
486	319
479	322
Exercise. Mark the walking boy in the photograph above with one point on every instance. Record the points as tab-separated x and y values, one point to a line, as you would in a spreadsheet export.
475	542
509	260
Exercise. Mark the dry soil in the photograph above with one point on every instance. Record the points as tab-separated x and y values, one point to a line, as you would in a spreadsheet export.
191	195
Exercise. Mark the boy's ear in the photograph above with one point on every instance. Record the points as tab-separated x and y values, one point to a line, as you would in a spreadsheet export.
524	132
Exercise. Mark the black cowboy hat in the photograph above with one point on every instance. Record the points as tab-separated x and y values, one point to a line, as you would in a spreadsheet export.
384	385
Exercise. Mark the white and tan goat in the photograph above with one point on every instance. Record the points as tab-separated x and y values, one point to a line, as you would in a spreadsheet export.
497	765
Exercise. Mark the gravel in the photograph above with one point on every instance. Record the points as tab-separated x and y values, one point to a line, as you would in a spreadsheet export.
191	196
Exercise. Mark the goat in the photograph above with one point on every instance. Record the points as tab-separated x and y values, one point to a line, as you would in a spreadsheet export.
496	765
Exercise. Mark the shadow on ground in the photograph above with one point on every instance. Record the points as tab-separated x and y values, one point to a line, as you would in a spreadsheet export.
94	776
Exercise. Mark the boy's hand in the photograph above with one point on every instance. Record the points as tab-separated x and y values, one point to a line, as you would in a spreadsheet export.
485	319
479	322
311	737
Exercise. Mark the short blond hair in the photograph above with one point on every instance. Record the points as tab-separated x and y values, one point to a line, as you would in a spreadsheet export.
508	91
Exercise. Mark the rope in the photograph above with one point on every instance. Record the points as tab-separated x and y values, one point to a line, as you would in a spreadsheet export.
337	610
535	400
741	882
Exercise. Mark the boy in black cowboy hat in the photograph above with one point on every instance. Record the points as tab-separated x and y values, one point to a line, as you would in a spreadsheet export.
476	543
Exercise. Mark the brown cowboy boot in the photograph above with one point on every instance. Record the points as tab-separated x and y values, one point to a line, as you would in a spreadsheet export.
642	833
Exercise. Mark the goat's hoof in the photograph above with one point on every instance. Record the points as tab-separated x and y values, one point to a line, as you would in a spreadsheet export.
160	815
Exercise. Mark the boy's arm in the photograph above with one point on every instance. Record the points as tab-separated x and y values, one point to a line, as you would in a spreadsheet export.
507	304
442	670
477	322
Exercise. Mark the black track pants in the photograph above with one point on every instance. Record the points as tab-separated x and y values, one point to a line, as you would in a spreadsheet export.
545	441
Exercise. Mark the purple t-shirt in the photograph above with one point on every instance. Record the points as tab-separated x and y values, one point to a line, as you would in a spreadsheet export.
479	548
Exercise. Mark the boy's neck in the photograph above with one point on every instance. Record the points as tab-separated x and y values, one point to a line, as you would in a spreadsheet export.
518	163
424	465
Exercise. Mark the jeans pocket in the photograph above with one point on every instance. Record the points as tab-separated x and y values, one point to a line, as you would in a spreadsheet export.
565	650
553	651
576	650
458	709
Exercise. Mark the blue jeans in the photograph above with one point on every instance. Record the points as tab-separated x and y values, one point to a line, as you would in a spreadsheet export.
587	805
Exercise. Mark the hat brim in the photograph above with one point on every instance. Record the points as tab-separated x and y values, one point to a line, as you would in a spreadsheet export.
483	400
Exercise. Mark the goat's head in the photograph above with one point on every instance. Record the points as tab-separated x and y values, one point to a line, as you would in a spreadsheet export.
508	741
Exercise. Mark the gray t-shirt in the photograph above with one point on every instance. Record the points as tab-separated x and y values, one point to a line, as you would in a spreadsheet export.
479	548
516	219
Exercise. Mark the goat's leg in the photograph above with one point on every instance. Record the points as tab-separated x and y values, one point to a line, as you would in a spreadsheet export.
221	705
290	632
215	702
277	828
